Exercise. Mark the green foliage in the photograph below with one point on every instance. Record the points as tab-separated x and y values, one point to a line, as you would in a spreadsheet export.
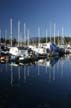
58	40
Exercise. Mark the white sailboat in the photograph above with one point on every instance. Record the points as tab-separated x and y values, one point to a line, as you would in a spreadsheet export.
24	56
14	51
40	51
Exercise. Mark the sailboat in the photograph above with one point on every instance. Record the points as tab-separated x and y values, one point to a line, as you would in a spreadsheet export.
51	47
13	51
4	48
25	56
39	51
3	51
62	47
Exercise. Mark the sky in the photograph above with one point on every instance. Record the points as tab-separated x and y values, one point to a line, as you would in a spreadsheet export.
36	13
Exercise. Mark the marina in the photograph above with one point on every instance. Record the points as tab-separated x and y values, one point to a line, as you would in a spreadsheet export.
35	53
35	75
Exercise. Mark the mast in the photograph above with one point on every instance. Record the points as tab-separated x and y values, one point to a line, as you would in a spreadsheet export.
38	36
18	32
25	33
54	33
46	35
62	42
58	37
50	32
11	30
5	36
28	37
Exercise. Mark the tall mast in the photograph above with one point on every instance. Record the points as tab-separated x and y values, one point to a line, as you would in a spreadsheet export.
62	36
38	36
25	33
58	37
46	36
28	37
50	32
18	32
54	33
11	30
5	36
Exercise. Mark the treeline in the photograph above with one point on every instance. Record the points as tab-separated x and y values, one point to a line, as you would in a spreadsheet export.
60	40
34	40
8	41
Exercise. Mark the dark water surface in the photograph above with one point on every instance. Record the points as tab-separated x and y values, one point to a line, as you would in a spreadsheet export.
45	84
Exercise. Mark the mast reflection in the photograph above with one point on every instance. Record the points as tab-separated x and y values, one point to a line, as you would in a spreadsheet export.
11	75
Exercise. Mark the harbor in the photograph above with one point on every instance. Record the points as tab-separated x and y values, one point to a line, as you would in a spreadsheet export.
35	74
35	53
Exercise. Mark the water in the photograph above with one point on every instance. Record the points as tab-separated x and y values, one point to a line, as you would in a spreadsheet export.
45	84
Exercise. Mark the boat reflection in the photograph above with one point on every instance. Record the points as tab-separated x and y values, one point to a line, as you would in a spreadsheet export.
19	72
48	63
11	75
25	70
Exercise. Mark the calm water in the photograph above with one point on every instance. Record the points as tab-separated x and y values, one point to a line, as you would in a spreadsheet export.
45	84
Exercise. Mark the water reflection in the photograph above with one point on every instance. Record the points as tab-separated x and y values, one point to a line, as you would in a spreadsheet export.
50	68
6	66
46	81
27	71
11	75
24	73
19	72
54	73
62	66
48	63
